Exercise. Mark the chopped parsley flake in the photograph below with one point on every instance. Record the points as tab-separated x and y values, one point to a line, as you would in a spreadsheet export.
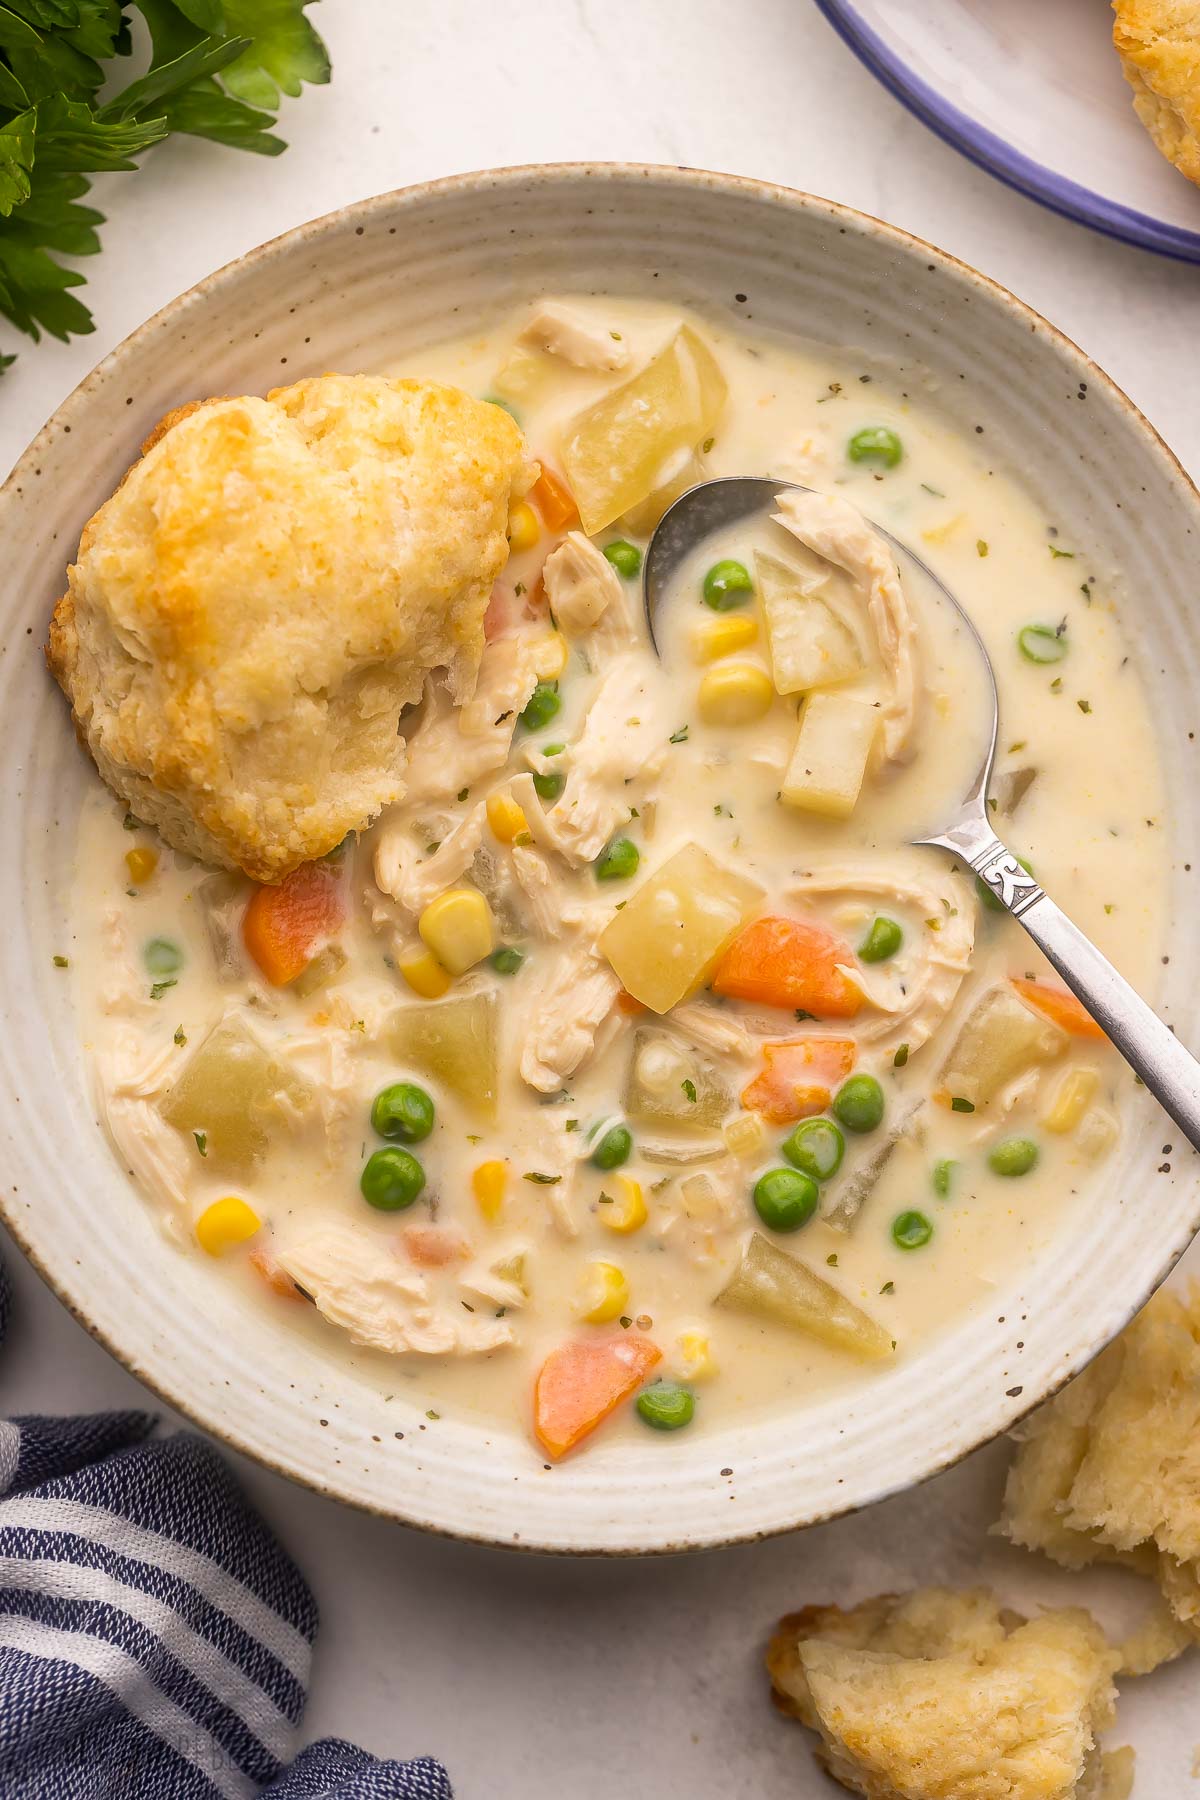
180	1039
542	1180
689	1088
201	1138
958	1104
62	962
901	1057
680	736
160	987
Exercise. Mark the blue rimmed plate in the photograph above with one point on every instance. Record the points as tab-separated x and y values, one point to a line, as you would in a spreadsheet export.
1034	94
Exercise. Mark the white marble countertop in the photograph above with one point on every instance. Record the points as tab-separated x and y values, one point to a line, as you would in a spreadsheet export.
535	1677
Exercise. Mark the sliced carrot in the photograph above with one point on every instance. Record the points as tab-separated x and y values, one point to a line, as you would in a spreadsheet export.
283	927
582	1381
790	962
433	1246
798	1077
1060	1006
276	1277
554	500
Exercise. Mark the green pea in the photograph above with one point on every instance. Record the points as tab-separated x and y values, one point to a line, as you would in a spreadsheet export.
625	558
549	787
162	956
816	1148
784	1199
858	1103
911	1229
391	1180
507	960
403	1111
1042	643
1013	1156
727	585
988	897
614	1148
667	1405
553	749
619	861
883	940
943	1176
875	443
541	706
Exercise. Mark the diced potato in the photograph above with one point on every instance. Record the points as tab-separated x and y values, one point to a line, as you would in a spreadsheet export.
655	1090
769	1284
669	937
1097	1133
811	647
617	452
703	1201
999	1039
826	772
236	1094
1071	1099
681	472
453	1041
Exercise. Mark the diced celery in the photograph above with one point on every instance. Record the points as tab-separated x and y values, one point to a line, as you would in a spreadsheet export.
669	937
617	452
453	1041
235	1094
322	969
811	647
826	772
999	1039
668	1085
769	1284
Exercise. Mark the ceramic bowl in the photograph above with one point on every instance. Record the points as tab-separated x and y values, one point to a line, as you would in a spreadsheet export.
360	289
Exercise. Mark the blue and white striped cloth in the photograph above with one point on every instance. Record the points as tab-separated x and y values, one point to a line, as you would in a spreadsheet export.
154	1638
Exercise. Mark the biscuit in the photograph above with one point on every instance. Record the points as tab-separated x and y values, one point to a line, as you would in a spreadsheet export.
1158	42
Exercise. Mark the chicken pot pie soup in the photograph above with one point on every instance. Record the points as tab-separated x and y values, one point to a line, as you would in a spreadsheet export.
631	1070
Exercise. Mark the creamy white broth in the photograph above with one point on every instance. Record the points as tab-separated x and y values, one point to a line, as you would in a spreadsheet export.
787	414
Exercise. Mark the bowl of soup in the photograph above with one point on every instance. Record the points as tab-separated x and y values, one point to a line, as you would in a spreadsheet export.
647	1146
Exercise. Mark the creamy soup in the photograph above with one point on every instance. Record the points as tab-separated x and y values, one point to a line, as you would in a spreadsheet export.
636	1071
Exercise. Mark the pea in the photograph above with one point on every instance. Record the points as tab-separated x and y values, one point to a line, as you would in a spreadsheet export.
625	558
391	1180
784	1199
553	749
403	1111
875	443
858	1103
911	1229
987	896
1013	1156
507	960
162	956
667	1405
614	1148
882	940
727	585
549	787
1042	643
816	1148
541	706
619	861
943	1176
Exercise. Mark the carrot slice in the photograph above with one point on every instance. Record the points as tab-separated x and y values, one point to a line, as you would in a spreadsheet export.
798	1077
433	1246
554	500
283	927
790	962
276	1277
1060	1006
582	1381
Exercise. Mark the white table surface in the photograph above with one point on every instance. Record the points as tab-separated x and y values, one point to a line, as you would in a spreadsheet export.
533	1677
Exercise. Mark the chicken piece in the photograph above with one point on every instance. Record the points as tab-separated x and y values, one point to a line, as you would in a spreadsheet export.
835	530
939	1694
358	1282
586	594
571	336
452	747
573	1000
712	1028
547	911
913	992
128	1085
413	877
1109	1469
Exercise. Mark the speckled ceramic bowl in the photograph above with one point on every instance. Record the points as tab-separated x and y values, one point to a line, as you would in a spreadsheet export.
359	289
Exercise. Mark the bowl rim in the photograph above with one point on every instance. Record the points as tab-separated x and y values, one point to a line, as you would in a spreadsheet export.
684	177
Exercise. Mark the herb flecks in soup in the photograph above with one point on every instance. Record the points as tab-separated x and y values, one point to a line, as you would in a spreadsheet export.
633	1067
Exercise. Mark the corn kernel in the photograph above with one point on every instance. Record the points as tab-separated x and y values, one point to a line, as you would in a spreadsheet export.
1097	1133
488	1183
523	528
550	656
628	1209
226	1223
734	694
694	1356
744	1134
605	1293
1071	1099
505	817
141	864
457	927
423	973
723	636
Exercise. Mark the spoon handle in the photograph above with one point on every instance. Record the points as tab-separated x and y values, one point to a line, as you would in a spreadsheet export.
1151	1048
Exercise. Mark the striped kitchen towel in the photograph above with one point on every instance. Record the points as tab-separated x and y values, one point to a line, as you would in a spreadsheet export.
154	1638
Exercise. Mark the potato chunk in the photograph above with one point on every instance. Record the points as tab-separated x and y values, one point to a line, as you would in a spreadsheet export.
234	1093
999	1039
617	452
769	1284
669	1085
811	646
453	1041
669	937
826	772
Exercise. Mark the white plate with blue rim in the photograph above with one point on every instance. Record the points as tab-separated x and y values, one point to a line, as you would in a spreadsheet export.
1033	93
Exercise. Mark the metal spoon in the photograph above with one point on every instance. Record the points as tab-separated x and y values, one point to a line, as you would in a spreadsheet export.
1170	1072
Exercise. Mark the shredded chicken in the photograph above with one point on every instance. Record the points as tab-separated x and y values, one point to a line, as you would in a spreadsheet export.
413	877
453	747
561	331
575	997
548	912
586	594
712	1028
835	530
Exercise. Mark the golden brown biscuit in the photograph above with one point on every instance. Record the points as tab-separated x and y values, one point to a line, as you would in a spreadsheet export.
1158	42
264	593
